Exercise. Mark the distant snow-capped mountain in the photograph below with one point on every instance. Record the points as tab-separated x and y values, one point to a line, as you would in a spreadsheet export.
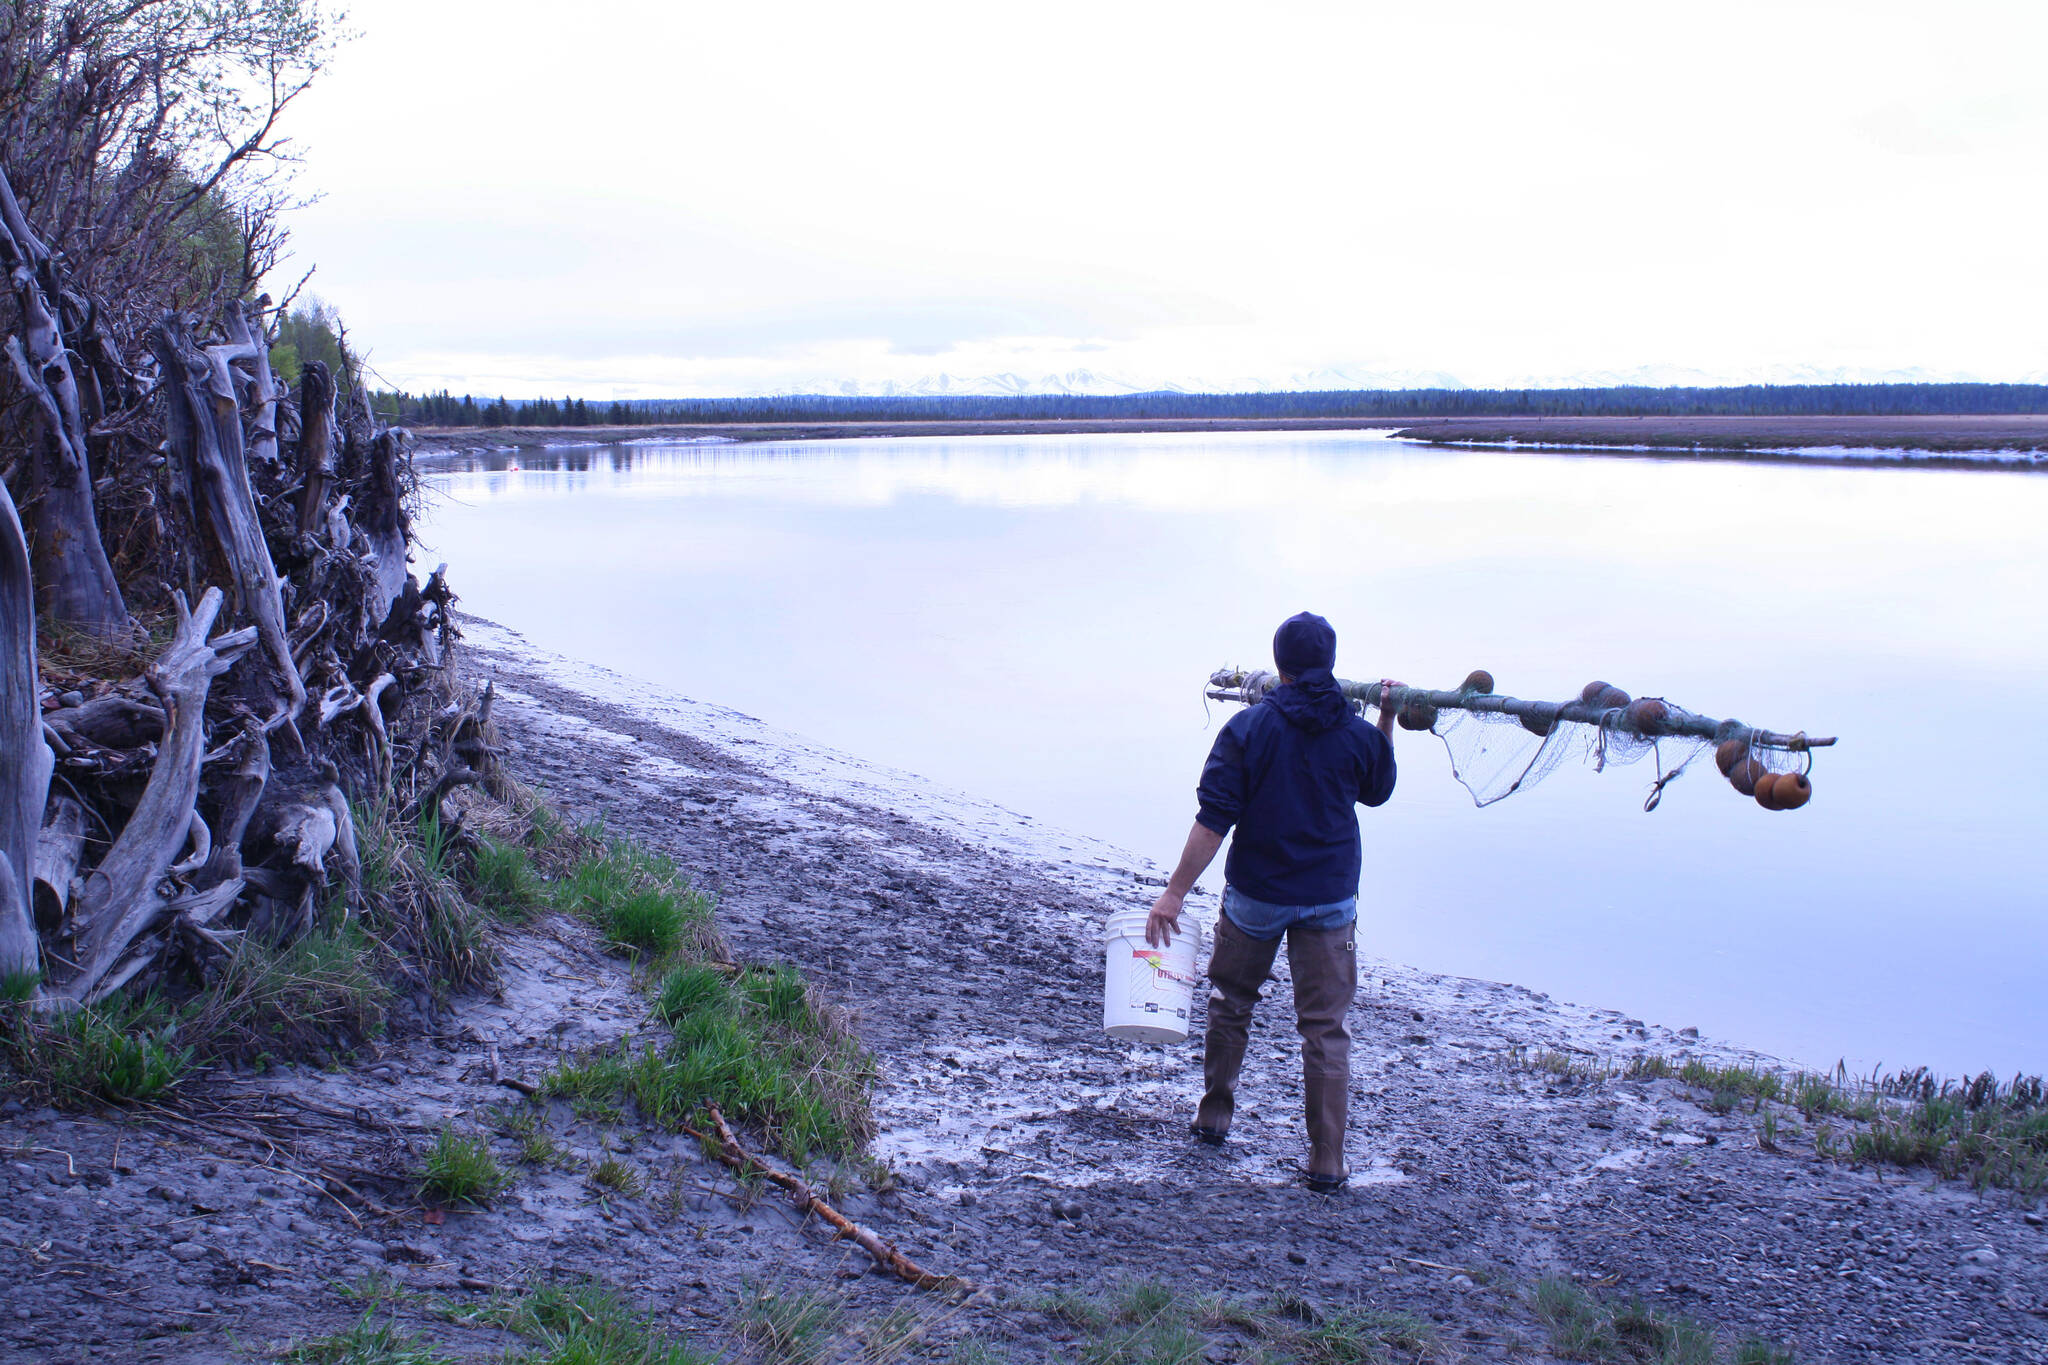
1083	381
1096	383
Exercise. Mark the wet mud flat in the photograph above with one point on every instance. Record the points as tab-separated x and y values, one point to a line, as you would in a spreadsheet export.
1032	1154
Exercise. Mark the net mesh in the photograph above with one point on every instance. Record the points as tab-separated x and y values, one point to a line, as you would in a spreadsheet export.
1501	746
1494	756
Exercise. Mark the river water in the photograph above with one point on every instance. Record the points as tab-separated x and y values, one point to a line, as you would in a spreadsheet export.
1031	619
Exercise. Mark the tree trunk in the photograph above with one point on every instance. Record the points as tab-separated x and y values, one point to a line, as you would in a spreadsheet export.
201	384
25	760
125	896
71	569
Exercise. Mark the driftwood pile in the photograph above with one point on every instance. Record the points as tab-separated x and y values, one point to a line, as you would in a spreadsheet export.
235	650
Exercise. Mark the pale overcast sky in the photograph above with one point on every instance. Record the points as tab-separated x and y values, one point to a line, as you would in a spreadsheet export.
636	199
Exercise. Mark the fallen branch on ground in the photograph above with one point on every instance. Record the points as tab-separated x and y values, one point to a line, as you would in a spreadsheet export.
727	1149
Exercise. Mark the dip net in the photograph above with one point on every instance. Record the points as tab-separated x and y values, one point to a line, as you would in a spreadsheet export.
1499	746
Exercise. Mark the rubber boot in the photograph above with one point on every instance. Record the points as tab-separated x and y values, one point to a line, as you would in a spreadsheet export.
1238	966
1325	965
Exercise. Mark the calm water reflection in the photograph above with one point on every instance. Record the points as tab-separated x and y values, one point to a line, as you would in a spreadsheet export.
1030	619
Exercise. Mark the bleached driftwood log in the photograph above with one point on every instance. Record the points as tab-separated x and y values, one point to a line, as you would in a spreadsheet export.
25	759
58	848
207	439
248	352
125	895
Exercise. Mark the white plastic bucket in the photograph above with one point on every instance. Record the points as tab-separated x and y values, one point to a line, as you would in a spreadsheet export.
1148	992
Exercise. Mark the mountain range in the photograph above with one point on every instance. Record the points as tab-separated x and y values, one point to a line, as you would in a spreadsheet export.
1095	383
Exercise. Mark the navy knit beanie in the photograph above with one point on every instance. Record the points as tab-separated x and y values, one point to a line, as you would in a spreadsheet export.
1305	641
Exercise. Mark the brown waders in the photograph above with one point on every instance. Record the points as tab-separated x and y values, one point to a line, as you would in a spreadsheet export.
1325	964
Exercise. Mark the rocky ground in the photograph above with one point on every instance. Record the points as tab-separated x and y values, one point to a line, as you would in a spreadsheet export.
1032	1155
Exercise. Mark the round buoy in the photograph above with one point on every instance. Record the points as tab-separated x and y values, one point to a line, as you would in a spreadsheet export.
1539	725
1730	753
1745	775
1767	791
1646	715
1592	691
1478	680
1613	699
1791	791
1417	716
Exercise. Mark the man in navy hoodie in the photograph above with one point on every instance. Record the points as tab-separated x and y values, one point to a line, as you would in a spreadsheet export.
1288	774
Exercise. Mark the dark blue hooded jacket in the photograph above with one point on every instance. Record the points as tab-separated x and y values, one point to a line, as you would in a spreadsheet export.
1288	773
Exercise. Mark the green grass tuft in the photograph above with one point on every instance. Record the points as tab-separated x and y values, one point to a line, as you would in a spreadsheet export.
369	1342
691	989
460	1169
329	989
1982	1130
1978	1131
761	1052
648	919
539	1149
789	1327
502	879
583	1324
616	1176
638	900
415	900
1584	1327
1147	1322
120	1051
754	1041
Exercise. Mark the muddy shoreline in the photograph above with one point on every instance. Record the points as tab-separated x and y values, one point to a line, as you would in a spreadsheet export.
1032	1155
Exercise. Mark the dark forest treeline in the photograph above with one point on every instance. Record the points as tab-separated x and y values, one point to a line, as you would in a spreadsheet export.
1749	400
